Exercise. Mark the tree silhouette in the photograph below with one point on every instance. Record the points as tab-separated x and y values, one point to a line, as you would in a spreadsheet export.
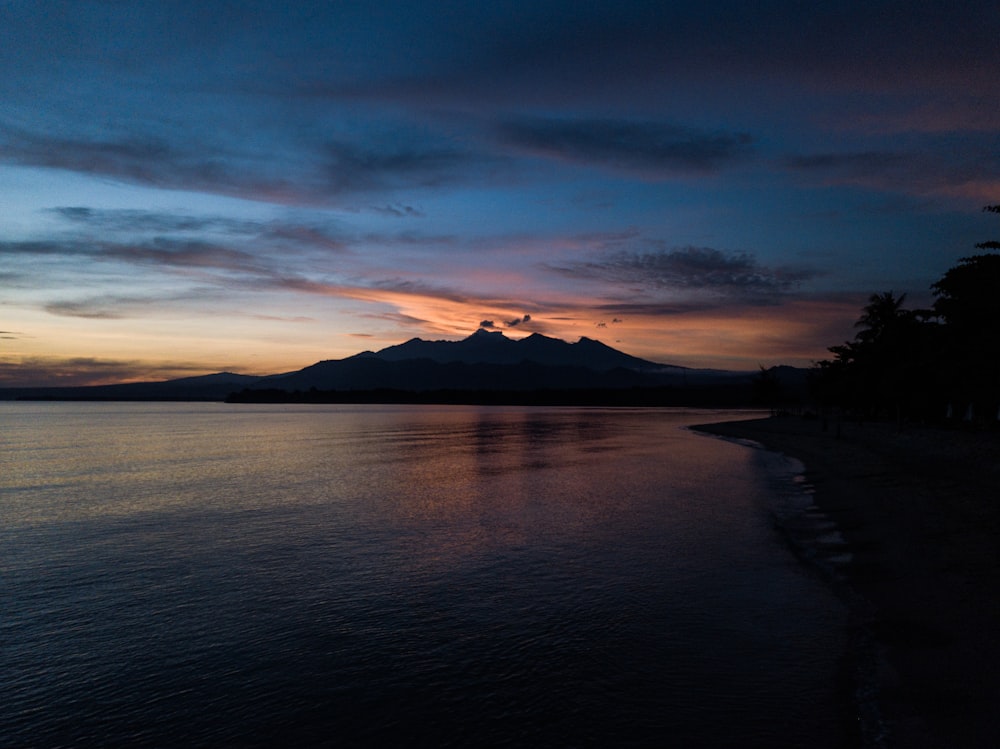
881	317
968	304
911	363
991	244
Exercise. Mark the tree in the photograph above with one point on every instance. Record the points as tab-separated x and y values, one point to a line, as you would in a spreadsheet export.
885	369
767	390
967	301
990	245
915	362
881	317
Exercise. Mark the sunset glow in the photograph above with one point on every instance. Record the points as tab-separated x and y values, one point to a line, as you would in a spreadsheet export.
192	187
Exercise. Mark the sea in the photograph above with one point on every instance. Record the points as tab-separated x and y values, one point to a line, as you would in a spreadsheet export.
212	575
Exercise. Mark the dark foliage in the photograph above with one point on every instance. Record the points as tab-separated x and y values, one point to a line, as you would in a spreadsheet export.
926	365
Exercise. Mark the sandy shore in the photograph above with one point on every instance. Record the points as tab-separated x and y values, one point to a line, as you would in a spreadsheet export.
920	510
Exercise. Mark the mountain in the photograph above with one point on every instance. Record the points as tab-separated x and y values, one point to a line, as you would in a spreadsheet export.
489	361
485	367
212	387
493	347
371	373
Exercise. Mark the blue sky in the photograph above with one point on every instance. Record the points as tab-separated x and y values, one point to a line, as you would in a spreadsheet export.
195	187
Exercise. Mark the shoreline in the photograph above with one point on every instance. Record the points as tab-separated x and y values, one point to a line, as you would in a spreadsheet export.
917	509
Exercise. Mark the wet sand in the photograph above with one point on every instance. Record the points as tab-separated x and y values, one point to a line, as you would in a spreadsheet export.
920	511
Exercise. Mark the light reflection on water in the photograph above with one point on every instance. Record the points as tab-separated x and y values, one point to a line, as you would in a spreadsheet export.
210	574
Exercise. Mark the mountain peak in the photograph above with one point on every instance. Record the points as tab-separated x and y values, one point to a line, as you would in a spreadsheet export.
483	334
493	347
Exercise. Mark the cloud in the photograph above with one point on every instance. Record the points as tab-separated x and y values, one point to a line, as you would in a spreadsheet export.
399	211
285	318
16	249
692	269
648	148
115	306
352	167
310	172
144	159
184	254
654	47
245	256
161	225
138	221
863	163
517	321
173	255
487	324
929	165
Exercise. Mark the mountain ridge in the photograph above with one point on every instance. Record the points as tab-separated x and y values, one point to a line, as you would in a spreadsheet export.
484	362
493	347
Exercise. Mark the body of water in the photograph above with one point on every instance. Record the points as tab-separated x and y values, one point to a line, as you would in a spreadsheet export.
218	575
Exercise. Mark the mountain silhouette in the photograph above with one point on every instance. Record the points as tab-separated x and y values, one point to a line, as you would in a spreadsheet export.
493	347
211	387
485	366
484	361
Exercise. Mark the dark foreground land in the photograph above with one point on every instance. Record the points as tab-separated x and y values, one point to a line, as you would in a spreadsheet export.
920	510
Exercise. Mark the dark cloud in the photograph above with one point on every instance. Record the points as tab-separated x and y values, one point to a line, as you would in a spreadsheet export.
692	268
249	256
305	235
567	50
652	309
517	321
139	221
926	164
864	163
464	43
399	318
603	324
487	324
159	251
314	173
120	306
163	224
418	288
399	211
184	254
405	238
15	249
649	148
144	159
352	167
98	308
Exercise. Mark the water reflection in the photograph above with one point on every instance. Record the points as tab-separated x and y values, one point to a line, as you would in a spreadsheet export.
453	576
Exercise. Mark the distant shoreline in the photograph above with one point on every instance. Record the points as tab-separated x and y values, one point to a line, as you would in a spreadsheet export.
918	509
728	396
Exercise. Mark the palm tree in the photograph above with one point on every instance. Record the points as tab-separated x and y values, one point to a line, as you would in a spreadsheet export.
881	317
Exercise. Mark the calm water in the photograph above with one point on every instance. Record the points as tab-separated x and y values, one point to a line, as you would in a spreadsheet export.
213	575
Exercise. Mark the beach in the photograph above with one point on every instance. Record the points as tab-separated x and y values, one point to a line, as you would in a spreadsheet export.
919	511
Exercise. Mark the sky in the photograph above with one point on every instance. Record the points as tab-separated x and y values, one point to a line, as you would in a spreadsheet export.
193	187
